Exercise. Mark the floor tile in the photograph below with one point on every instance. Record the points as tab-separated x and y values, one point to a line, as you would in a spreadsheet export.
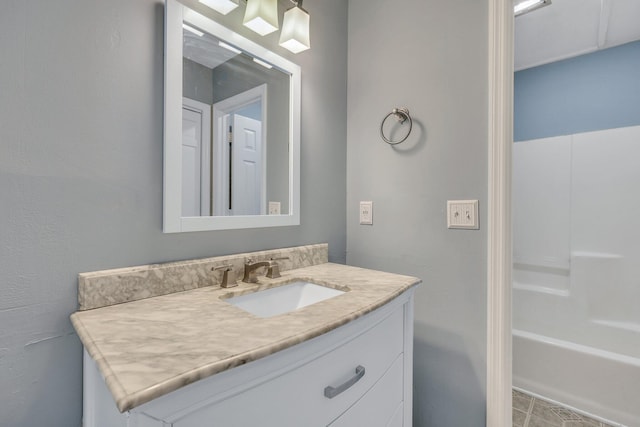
518	417
583	423
521	401
542	413
547	412
535	421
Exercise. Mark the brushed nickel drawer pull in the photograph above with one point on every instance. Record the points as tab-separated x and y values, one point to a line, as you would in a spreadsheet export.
331	392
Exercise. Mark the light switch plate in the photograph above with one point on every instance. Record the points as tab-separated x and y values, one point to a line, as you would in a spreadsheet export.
366	213
462	214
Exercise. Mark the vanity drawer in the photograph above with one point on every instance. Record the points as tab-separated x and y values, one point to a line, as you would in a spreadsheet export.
297	398
381	405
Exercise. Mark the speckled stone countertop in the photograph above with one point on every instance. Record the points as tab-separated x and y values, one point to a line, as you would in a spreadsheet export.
150	347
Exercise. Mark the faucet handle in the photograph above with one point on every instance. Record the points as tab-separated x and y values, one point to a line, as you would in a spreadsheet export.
273	271
228	276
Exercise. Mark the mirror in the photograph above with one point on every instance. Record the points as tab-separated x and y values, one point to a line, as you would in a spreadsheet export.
231	128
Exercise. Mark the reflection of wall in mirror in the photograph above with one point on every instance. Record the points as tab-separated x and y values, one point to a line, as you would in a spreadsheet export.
236	76
197	81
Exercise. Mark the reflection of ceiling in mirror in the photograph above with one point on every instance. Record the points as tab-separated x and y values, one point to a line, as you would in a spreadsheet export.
204	50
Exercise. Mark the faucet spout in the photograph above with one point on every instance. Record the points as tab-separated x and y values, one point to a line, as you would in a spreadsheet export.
250	267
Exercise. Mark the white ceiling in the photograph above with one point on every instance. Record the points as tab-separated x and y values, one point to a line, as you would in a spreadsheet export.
205	50
570	28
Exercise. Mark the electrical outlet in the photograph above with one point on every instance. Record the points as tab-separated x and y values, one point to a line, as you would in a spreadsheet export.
274	208
366	213
462	214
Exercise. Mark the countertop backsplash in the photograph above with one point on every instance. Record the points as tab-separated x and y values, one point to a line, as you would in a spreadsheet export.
108	287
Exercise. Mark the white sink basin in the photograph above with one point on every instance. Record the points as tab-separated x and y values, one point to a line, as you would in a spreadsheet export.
283	299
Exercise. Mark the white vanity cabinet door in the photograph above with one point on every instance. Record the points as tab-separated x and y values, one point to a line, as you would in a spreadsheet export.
379	406
397	420
297	398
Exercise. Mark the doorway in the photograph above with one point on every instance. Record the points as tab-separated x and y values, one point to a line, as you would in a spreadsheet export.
239	154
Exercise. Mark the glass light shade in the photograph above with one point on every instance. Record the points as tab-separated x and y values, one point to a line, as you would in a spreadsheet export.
221	6
295	30
261	16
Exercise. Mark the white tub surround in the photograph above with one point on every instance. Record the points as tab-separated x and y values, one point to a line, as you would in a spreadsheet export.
575	283
151	347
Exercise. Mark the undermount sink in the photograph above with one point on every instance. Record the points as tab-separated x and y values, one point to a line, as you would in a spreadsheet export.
283	299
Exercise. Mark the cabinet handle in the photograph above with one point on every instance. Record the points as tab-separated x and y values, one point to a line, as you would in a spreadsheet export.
331	392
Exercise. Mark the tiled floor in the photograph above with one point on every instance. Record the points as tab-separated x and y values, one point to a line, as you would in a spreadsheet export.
529	411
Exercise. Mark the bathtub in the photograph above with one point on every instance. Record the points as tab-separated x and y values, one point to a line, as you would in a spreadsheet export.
599	383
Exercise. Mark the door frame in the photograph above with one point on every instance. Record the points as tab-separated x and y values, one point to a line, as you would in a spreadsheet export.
499	242
221	112
205	150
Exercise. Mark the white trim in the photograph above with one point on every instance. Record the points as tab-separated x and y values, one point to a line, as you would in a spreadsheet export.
173	222
172	174
205	150
499	264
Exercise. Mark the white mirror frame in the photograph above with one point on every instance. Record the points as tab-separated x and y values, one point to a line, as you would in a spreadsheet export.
173	222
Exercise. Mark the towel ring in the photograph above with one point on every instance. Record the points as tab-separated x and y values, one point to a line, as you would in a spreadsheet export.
401	115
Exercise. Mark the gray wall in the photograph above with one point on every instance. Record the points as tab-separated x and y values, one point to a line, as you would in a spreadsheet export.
430	56
81	175
197	81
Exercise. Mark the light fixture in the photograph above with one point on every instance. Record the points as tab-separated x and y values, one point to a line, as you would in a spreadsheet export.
221	6
525	6
295	29
192	30
261	16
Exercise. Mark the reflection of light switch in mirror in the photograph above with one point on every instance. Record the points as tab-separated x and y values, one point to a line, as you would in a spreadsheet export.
274	208
366	213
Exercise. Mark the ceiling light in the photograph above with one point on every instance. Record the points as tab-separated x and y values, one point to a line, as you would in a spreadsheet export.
221	6
295	29
192	30
525	6
229	47
261	16
264	64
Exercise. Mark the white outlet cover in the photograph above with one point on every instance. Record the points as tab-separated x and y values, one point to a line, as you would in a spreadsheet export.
366	213
274	208
462	214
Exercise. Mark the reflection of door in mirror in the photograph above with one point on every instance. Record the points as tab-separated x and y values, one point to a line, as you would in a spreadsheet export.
247	178
233	83
239	152
196	134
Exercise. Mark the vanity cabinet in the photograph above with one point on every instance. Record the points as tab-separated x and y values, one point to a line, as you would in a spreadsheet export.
359	374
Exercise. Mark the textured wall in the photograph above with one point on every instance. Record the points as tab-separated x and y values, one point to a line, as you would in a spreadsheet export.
597	91
81	175
430	56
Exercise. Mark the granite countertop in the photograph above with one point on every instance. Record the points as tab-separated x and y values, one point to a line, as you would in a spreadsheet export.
147	348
